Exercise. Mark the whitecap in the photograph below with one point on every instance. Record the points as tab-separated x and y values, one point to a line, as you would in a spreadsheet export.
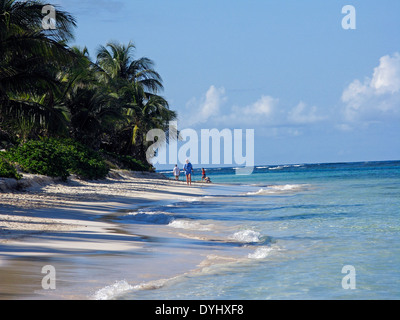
112	291
247	236
276	168
286	187
121	287
278	189
260	191
260	253
188	225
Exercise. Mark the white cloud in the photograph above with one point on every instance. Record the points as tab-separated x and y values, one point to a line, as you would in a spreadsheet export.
266	112
376	97
211	105
303	115
386	77
262	107
207	108
261	112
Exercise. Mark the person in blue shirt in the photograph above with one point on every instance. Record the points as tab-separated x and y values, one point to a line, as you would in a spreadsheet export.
188	168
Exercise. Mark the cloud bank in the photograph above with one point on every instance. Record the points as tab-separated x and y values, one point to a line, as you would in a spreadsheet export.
267	112
375	99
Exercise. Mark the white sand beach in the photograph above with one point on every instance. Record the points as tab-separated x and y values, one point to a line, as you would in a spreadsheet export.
43	221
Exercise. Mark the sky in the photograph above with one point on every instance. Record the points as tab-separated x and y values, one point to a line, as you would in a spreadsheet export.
312	90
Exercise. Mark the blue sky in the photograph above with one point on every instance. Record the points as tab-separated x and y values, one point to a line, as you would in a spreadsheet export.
311	90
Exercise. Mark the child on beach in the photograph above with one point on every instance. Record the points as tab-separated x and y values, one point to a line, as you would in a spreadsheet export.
176	172
188	171
203	174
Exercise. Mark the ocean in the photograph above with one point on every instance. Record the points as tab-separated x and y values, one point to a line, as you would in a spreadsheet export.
303	231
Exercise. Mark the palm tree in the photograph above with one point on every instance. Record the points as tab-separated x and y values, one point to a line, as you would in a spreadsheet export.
27	16
137	85
47	88
152	113
30	60
117	63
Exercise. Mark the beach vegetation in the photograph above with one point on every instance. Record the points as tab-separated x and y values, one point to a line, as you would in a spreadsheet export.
135	86
7	170
51	93
59	158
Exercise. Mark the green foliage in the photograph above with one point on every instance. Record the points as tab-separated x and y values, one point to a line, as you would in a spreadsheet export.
86	163
59	158
48	89
7	170
31	60
46	157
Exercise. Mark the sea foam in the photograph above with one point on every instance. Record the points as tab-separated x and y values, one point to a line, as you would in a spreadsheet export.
278	189
247	236
122	287
189	225
112	291
260	253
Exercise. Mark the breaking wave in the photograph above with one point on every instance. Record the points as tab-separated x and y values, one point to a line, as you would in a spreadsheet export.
261	253
112	291
189	225
247	236
279	189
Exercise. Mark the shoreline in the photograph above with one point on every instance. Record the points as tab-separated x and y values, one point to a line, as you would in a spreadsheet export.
52	221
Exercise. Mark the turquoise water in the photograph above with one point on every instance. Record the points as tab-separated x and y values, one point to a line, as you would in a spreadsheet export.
284	232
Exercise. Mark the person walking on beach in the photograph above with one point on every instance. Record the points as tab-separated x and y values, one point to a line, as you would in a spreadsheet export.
176	172
188	171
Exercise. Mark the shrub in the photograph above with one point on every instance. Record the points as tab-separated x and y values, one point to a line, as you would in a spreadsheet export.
86	163
47	157
7	170
59	158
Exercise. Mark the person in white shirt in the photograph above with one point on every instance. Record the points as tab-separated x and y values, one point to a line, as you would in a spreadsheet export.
176	172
